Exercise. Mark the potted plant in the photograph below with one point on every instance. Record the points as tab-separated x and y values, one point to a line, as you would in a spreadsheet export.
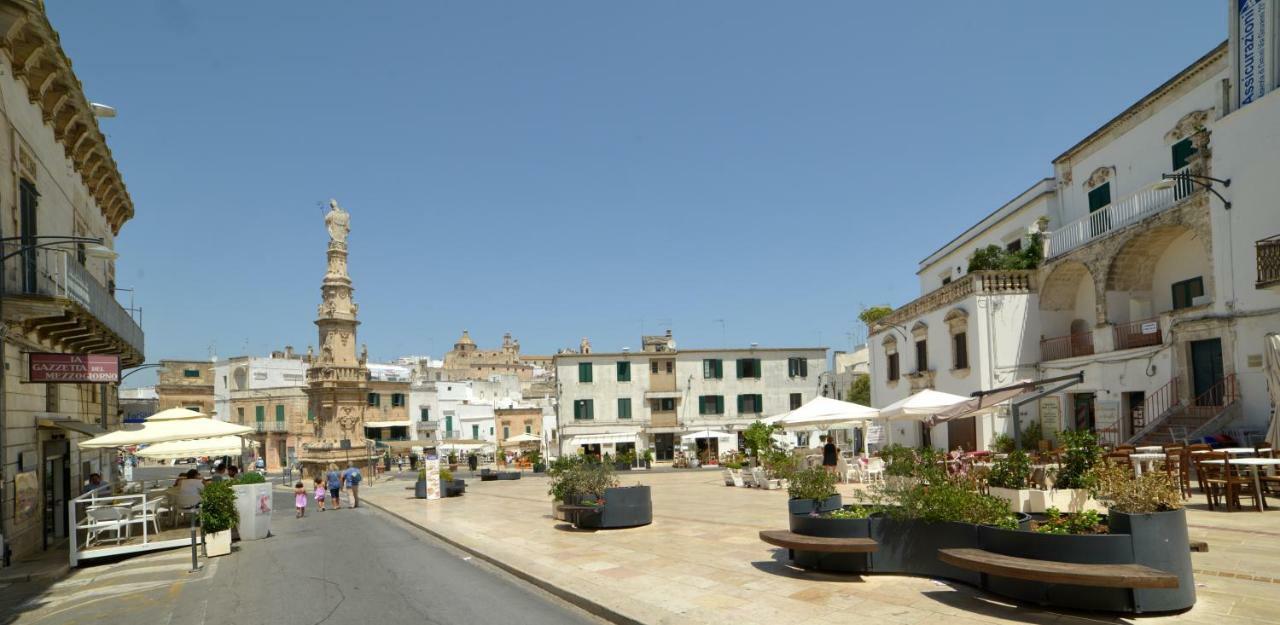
253	505
624	461
420	487
1010	478
648	458
535	460
1071	483
812	490
217	516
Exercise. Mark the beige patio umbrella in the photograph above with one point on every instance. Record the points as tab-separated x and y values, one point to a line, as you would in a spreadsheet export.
174	424
521	439
219	446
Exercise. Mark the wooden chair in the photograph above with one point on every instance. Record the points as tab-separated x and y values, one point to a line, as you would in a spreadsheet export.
1119	458
1270	480
1263	450
1128	448
1230	482
1173	467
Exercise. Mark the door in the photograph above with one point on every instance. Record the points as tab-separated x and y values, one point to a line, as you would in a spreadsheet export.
1206	372
27	231
962	434
1082	410
1136	406
664	446
57	486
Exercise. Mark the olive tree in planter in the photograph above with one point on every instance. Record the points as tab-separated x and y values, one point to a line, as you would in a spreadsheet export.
812	490
217	516
574	478
1009	480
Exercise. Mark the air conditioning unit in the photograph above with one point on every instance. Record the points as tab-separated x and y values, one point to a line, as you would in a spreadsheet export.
1201	300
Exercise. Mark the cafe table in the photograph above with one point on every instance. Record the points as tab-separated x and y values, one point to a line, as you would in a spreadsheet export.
1138	460
1149	449
1230	451
1256	466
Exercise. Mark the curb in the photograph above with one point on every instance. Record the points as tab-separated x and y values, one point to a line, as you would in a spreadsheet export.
593	607
53	574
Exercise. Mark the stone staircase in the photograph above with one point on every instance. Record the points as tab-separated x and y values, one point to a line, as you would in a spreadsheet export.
1206	414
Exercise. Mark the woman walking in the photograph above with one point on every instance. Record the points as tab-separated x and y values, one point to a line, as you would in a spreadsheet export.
334	482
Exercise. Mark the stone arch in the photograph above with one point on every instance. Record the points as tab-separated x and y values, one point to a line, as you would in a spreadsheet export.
1147	264
1131	266
1070	299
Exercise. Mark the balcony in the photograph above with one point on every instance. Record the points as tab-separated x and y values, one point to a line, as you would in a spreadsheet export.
270	426
978	282
61	302
428	426
663	419
1057	348
1114	216
1269	262
1140	333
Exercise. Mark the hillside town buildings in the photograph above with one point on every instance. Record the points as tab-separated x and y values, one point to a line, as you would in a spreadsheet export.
1152	271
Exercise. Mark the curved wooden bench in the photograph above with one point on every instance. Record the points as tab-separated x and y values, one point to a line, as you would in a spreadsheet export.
800	542
1054	572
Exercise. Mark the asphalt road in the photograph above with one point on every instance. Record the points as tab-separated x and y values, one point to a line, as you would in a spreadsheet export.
346	566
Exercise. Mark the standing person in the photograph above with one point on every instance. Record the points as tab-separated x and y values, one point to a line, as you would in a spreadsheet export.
472	461
830	454
320	493
300	499
334	482
261	465
351	477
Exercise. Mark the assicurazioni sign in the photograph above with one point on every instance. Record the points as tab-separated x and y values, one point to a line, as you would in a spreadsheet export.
72	368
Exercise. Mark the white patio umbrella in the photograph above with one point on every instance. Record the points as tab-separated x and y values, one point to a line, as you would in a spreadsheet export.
220	446
174	424
920	406
1272	349
823	413
705	434
521	439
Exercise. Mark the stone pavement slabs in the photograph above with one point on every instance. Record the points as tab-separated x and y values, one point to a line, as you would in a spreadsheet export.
701	560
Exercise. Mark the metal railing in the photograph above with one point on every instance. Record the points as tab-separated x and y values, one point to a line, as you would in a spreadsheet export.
1079	344
126	520
1140	333
271	426
1156	408
56	273
1268	261
1116	215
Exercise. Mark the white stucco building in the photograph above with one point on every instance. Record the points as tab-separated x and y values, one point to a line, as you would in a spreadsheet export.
617	401
1159	291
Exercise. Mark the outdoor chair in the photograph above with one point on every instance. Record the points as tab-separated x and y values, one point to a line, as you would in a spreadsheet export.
1225	481
148	512
1263	450
1173	462
1128	448
106	519
1119	458
1179	433
875	470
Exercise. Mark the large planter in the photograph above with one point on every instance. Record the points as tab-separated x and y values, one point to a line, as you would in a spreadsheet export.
1070	500
217	544
1158	542
806	506
253	504
420	489
1019	499
622	466
451	488
627	506
508	475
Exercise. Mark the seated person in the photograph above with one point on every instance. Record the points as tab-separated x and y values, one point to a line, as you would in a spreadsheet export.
95	484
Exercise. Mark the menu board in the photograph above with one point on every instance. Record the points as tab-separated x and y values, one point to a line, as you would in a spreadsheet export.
432	467
1051	416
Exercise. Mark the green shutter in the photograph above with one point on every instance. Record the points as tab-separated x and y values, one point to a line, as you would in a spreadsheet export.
741	368
311	413
624	407
584	372
591	412
279	412
740	410
624	371
1182	152
804	368
1100	196
260	413
759	403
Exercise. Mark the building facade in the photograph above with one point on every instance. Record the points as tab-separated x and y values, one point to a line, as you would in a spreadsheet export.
1152	280
59	180
387	412
185	384
612	402
266	393
467	362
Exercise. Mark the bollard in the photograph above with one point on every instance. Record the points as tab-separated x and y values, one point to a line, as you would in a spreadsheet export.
195	564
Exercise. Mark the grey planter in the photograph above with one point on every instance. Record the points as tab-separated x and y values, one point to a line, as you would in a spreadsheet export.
1160	542
628	506
420	489
508	475
452	488
805	506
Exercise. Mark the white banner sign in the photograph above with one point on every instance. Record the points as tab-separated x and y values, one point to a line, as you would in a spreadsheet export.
875	434
1253	52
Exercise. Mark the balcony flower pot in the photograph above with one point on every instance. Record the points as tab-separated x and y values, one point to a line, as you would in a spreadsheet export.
1019	498
217	544
806	506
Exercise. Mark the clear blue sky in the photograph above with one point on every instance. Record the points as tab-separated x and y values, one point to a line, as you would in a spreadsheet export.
569	169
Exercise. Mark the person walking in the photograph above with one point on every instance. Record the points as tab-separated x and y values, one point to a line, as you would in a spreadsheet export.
830	455
472	462
351	477
300	499
333	480
320	493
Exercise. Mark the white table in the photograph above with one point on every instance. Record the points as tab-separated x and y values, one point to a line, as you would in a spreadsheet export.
1137	460
1150	449
1230	451
1256	466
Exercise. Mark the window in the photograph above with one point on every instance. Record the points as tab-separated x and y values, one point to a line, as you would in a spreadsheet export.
424	414
528	429
671	365
922	355
711	404
375	399
279	412
796	400
190	373
946	280
960	350
259	413
750	404
584	372
240	415
624	371
1099	196
311	414
583	409
1014	245
749	368
28	231
506	432
1182	152
475	432
653	366
713	369
797	368
624	409
666	404
1185	292
893	367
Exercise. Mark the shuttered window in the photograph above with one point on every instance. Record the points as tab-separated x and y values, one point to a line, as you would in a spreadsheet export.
374	399
750	404
279	412
893	367
624	371
711	404
960	350
749	368
712	369
624	407
584	372
1100	196
1182	152
1185	292
922	355
796	400
260	413
583	409
797	368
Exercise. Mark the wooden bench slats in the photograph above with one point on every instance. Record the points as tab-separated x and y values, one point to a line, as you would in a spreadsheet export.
1055	572
799	542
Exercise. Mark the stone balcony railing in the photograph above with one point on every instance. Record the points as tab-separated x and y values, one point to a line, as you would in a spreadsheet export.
975	283
270	426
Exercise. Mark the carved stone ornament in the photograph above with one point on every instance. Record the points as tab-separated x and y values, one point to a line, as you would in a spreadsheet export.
1190	124
344	336
1099	176
347	421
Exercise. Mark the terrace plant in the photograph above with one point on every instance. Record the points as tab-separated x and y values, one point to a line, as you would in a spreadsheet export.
758	437
218	507
1003	444
1086	522
945	500
1012	471
572	478
1081	454
811	483
1117	488
780	464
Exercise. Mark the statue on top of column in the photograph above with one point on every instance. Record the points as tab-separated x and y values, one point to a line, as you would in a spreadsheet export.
338	222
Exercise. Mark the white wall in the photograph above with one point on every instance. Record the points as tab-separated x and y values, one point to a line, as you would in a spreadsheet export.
1017	223
1182	260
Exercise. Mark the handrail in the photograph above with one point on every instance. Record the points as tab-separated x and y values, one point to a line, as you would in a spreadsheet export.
1114	216
1140	333
1058	347
1157	408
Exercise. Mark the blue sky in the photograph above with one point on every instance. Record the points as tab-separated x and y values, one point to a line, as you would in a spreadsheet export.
570	169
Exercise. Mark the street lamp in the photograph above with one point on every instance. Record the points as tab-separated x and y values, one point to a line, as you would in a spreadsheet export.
1169	181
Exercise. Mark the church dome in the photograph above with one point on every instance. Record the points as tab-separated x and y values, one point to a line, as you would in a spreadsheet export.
465	343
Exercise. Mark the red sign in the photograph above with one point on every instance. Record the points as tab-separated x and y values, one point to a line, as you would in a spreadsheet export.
54	368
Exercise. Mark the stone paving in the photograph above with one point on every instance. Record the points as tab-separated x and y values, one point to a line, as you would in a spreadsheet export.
702	562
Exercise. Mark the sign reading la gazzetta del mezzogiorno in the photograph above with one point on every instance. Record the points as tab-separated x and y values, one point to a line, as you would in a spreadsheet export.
72	368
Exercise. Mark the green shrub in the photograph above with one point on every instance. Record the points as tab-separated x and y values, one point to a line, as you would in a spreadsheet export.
1003	444
446	475
811	483
850	512
758	437
218	507
573	477
1087	522
1080	454
249	477
779	464
1012	471
949	501
1032	435
1117	488
994	257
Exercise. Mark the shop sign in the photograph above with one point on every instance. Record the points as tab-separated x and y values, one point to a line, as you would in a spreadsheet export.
73	368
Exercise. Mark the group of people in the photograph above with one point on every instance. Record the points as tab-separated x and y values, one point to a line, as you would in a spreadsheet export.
330	487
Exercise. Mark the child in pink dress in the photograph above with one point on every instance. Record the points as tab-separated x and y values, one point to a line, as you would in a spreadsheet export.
300	499
320	494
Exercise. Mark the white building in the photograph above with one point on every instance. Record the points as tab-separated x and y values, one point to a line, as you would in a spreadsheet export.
461	410
613	402
246	376
1159	292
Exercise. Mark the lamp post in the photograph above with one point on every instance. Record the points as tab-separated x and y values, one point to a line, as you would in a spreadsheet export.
1169	181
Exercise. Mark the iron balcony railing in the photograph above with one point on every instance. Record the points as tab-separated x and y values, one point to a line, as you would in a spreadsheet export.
1141	333
1079	344
270	426
57	273
1116	215
1269	262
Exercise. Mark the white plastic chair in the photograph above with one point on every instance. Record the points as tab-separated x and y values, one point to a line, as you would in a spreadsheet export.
148	512
874	471
106	519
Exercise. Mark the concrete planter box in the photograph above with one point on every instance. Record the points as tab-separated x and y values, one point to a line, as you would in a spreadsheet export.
508	475
805	506
217	544
628	506
253	504
1019	498
420	489
451	488
1070	500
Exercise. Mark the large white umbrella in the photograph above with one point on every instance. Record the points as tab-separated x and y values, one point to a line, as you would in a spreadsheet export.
174	424
521	439
220	446
705	434
823	413
1272	348
921	406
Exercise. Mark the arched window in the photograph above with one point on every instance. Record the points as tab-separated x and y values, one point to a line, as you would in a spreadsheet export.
920	332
